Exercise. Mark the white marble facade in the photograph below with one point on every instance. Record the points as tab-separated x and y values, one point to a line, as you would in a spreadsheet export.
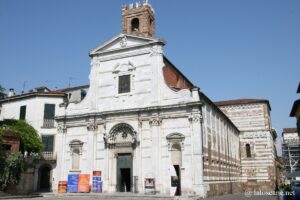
157	116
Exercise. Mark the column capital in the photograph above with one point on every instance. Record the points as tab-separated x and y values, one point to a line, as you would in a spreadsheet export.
156	121
61	128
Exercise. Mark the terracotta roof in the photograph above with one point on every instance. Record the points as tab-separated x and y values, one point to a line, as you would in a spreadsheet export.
295	107
242	101
174	78
289	130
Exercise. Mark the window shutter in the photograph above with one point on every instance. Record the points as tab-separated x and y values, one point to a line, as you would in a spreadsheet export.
22	113
49	111
48	141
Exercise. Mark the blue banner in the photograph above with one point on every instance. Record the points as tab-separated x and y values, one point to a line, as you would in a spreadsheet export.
97	185
73	183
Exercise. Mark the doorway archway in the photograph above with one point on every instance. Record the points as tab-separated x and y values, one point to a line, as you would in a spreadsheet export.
121	142
44	178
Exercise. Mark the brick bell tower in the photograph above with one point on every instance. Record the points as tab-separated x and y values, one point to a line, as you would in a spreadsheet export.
138	19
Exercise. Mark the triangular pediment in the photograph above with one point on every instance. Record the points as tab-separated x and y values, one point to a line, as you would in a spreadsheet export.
124	41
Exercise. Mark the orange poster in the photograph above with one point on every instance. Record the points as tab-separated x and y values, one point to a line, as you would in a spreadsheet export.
84	183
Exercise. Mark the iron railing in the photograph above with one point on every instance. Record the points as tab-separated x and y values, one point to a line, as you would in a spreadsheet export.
48	155
48	123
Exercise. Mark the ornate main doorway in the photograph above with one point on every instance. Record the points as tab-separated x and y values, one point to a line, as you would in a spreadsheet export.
121	142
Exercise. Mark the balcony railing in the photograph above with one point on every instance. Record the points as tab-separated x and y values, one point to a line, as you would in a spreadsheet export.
48	123
48	155
44	156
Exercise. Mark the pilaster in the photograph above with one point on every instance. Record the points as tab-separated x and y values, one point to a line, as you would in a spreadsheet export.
195	120
155	124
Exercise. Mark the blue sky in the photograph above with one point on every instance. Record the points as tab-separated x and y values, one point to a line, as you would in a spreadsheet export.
230	49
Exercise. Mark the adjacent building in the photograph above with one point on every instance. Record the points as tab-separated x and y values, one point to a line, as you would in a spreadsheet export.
295	112
39	107
291	149
257	150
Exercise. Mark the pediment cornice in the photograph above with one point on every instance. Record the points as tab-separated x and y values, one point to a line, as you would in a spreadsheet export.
123	42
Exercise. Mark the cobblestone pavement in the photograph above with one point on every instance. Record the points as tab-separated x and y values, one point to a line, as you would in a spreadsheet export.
243	197
145	197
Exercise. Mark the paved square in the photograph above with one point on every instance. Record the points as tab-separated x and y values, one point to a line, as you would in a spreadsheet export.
145	197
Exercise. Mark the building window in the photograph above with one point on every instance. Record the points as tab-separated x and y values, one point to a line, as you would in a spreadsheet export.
5	147
135	23
48	141
176	154
22	112
76	151
124	84
248	151
49	114
75	159
82	94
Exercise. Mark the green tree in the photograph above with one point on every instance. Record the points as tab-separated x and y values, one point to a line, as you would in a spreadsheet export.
11	169
29	138
12	165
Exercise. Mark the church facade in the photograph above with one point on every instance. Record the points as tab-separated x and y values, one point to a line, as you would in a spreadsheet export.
144	123
144	127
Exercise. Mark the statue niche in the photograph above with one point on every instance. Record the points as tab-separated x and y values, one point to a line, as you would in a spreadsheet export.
121	135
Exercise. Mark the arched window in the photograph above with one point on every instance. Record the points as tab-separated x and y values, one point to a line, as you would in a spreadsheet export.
248	150
76	151
135	23
176	154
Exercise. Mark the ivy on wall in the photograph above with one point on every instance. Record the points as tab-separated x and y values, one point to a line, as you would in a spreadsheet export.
11	169
13	164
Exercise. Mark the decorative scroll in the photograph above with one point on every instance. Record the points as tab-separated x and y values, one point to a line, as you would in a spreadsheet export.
61	128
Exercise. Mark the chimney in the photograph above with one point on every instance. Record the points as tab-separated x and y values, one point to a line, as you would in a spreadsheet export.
11	92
